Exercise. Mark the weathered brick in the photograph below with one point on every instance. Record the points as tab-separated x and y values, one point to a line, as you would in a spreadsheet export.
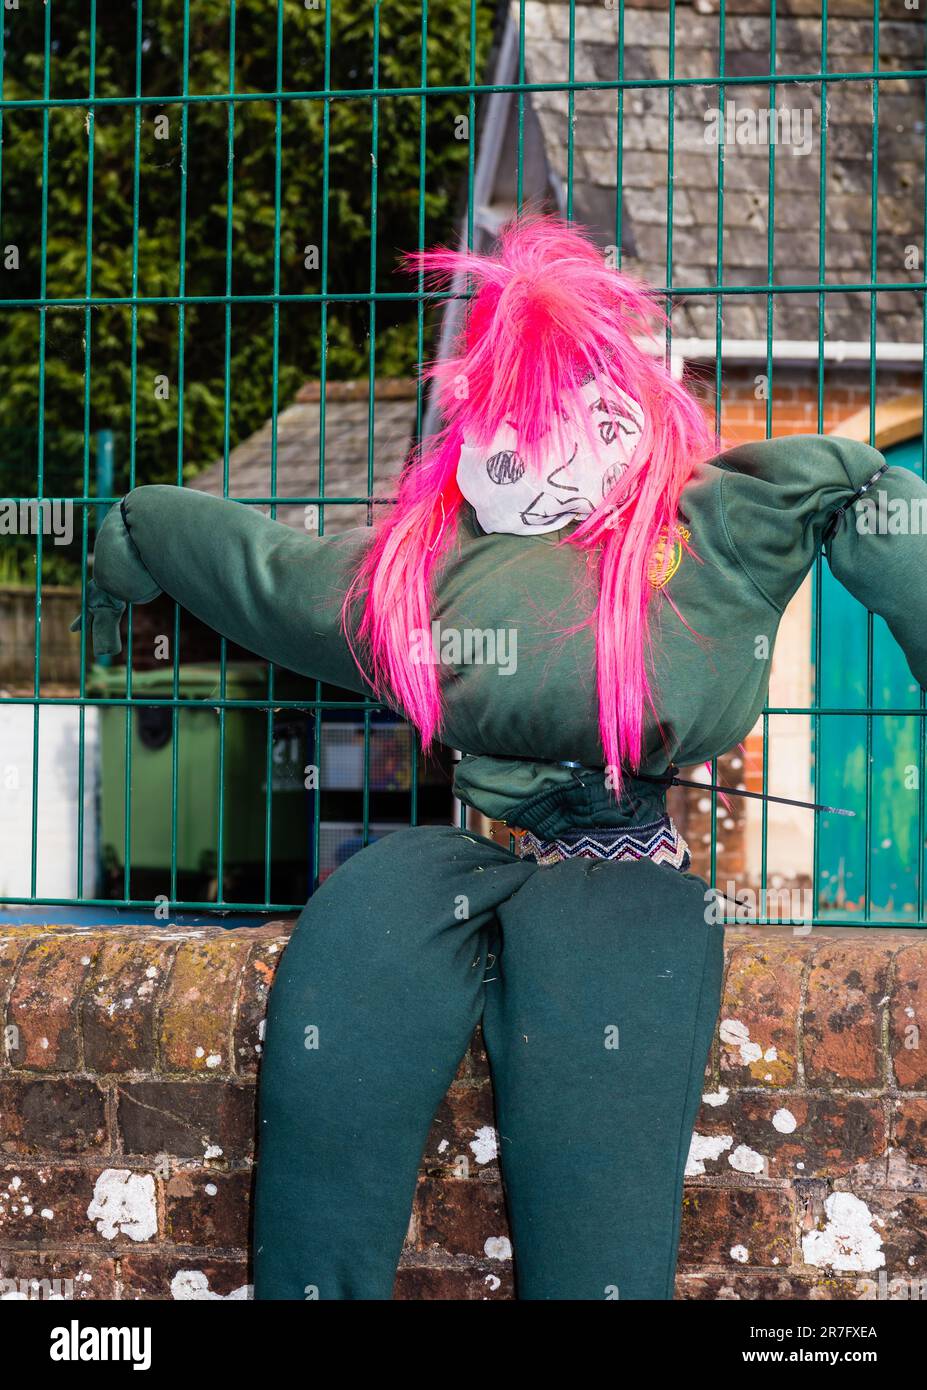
904	1226
44	1002
753	1223
424	1283
11	949
758	1016
869	1231
36	1275
842	1019
459	1216
164	1274
118	1012
463	1135
908	1038
44	1116
198	1004
909	1129
186	1119
789	1135
50	1204
253	994
761	1284
207	1208
836	1138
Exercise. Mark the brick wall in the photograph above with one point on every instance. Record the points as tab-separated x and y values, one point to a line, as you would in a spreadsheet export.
793	392
127	1090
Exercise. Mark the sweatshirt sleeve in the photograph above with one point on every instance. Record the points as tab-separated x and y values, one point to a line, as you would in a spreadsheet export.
265	586
781	504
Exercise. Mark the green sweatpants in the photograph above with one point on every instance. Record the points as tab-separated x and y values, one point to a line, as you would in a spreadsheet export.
598	985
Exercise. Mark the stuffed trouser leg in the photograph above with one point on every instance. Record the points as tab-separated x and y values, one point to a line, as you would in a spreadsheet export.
598	1030
374	1004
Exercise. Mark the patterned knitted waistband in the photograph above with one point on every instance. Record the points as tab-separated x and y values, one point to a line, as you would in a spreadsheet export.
659	841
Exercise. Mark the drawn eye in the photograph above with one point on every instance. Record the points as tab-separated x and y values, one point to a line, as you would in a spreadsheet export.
611	477
505	467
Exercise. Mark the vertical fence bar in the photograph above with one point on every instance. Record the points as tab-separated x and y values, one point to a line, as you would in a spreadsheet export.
133	432
817	600
520	158
84	540
571	108
619	139
873	305
719	341
274	439
226	432
922	702
323	392
40	447
770	386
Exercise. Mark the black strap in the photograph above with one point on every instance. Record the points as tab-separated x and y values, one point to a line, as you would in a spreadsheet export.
834	522
671	778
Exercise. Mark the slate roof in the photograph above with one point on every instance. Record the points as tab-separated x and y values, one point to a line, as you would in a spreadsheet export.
646	167
645	172
346	451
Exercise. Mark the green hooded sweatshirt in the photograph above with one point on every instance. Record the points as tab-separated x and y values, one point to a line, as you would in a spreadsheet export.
756	518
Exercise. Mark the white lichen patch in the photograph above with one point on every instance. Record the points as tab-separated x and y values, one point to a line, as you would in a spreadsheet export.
704	1148
737	1035
746	1160
498	1248
193	1284
485	1145
849	1240
124	1204
719	1097
784	1121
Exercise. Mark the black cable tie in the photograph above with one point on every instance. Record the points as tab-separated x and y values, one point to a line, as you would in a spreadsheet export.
834	522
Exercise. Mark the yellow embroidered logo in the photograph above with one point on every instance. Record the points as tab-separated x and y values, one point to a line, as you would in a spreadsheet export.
661	570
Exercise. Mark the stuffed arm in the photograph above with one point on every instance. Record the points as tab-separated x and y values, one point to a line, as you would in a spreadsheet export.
879	553
265	586
806	492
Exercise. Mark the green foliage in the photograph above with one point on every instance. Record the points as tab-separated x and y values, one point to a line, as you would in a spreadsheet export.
186	240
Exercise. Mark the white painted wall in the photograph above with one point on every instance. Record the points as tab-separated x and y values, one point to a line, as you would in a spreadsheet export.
59	731
790	830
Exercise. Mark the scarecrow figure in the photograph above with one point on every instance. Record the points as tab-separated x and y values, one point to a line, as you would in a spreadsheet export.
575	499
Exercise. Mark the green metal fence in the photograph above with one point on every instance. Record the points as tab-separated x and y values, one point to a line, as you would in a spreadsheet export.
391	66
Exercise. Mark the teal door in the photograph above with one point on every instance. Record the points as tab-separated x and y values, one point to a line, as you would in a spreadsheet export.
887	746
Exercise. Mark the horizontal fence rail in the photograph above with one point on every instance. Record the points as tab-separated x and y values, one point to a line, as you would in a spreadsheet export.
87	314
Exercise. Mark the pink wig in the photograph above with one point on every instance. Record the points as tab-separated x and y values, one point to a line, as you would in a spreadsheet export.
546	313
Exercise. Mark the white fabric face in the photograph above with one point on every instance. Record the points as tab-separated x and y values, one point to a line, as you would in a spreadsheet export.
574	478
